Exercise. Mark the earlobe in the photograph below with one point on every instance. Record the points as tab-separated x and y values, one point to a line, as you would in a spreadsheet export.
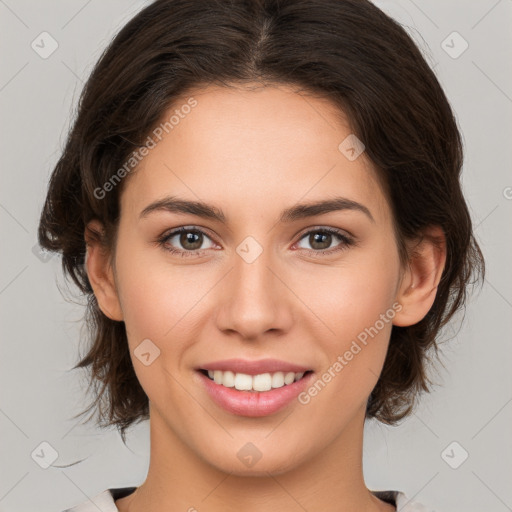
421	278
100	272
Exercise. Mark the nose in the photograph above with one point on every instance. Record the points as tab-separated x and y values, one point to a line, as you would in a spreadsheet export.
255	299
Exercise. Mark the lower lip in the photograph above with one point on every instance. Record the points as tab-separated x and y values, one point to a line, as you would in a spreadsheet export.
254	403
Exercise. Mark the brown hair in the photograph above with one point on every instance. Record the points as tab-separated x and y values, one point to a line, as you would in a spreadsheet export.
348	51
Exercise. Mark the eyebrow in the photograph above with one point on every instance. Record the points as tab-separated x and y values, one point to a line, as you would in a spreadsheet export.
300	211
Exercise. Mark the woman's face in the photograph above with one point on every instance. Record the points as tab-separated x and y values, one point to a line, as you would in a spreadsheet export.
255	281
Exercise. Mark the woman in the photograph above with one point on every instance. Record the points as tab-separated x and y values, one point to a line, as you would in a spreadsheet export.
309	156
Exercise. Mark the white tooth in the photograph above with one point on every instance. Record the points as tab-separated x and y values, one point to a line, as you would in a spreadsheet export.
262	382
289	378
278	380
228	379
243	382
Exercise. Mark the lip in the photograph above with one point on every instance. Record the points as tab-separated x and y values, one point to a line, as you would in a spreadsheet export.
254	367
253	403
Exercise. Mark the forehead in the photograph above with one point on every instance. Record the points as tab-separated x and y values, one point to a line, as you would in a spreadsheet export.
254	149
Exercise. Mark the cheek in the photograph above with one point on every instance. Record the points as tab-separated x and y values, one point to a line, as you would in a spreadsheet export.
157	302
157	299
355	303
351	296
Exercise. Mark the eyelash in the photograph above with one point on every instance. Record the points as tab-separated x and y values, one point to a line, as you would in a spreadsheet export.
346	241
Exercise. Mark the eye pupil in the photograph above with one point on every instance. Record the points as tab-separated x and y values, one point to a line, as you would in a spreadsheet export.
187	237
324	239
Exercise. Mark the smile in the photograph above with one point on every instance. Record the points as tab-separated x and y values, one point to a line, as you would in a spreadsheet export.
258	383
253	395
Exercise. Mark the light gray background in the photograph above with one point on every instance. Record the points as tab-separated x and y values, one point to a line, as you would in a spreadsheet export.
40	330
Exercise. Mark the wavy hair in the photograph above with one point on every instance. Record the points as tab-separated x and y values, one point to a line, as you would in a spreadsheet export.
347	51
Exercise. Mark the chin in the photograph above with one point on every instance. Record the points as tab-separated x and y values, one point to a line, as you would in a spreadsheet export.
248	460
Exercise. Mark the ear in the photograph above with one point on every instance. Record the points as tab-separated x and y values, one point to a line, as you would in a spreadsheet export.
100	272
418	287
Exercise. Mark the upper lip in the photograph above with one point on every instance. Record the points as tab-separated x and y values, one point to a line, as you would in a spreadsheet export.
254	367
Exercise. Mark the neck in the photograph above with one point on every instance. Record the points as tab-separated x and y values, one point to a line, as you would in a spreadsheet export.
179	479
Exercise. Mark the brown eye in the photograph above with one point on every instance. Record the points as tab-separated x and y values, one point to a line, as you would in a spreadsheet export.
186	241
321	241
191	240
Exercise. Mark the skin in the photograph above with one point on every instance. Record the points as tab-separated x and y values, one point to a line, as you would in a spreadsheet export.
253	153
